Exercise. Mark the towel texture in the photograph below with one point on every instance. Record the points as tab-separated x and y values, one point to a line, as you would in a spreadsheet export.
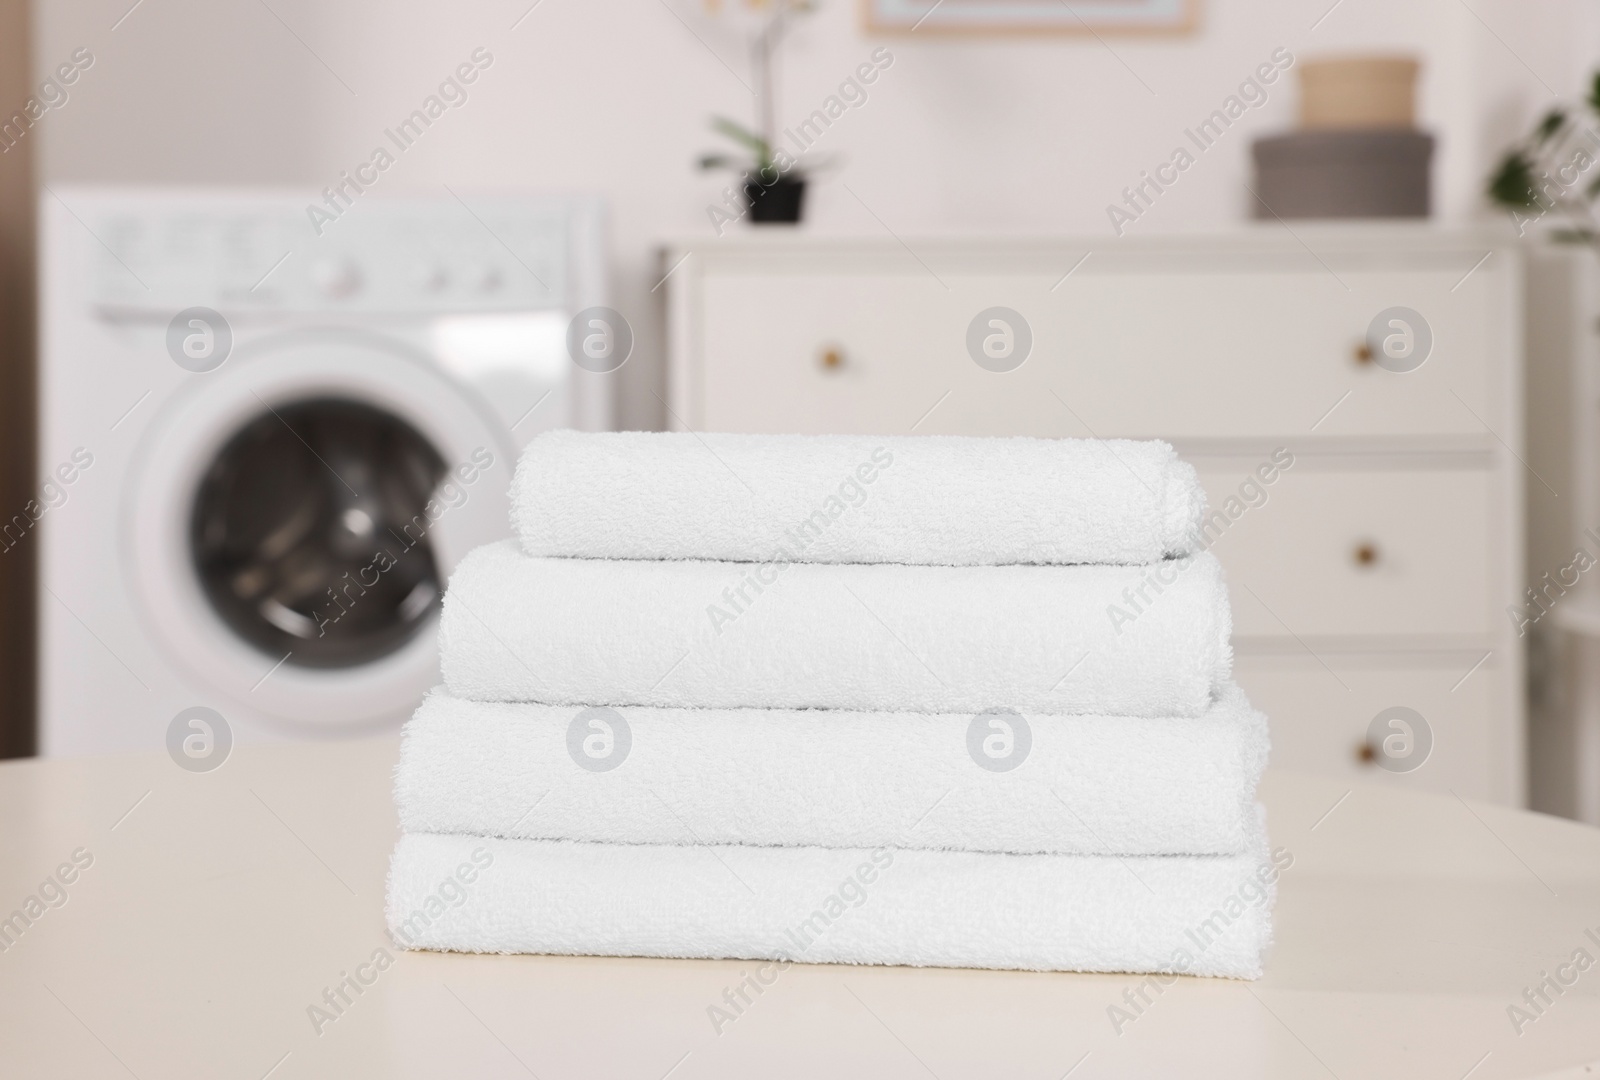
865	499
1197	914
1074	785
1132	640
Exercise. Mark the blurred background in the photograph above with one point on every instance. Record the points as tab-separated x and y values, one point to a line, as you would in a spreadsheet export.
286	286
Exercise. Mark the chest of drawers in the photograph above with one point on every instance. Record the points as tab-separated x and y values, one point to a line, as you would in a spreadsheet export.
1374	571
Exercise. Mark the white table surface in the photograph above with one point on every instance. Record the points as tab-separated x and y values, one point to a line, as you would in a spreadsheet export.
220	905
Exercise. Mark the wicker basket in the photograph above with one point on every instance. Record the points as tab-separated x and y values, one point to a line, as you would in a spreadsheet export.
1358	92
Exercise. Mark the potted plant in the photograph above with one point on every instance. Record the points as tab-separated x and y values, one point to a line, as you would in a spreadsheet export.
1553	170
773	189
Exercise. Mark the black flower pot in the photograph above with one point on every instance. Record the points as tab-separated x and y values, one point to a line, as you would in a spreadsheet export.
776	203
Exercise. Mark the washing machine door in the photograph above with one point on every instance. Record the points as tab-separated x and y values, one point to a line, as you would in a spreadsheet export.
295	517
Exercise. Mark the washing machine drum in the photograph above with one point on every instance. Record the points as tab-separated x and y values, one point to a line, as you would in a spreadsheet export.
310	532
294	517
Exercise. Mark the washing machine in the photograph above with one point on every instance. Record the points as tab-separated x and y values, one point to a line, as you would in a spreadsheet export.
267	436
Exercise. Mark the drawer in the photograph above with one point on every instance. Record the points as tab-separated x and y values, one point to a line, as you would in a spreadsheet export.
1235	354
1320	726
1378	552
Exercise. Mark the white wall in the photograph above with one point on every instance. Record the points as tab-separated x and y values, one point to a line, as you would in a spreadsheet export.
1030	135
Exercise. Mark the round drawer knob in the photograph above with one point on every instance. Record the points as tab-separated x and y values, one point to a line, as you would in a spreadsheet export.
831	358
1365	554
1363	353
1365	754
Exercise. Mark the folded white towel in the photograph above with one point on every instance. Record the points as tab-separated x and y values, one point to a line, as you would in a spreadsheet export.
849	498
1132	640
1196	914
1070	785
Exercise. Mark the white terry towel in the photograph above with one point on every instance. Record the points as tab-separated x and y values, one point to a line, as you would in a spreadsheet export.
848	498
1074	785
1189	914
1050	639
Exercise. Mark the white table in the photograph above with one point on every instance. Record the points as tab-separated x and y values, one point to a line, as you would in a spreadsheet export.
219	906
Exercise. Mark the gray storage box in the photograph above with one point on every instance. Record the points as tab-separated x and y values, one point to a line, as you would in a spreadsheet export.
1343	174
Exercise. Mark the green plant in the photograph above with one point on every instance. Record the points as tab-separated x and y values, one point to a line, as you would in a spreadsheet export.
1550	170
771	19
765	165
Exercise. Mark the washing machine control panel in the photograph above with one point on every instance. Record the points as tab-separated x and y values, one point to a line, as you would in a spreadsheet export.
380	257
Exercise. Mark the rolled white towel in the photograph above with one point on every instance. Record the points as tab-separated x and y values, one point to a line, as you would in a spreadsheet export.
1045	784
854	498
1131	640
1179	914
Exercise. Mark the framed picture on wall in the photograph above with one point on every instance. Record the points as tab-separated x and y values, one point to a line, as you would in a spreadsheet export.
1031	16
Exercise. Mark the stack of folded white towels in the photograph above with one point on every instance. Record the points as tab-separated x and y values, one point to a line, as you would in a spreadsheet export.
917	700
